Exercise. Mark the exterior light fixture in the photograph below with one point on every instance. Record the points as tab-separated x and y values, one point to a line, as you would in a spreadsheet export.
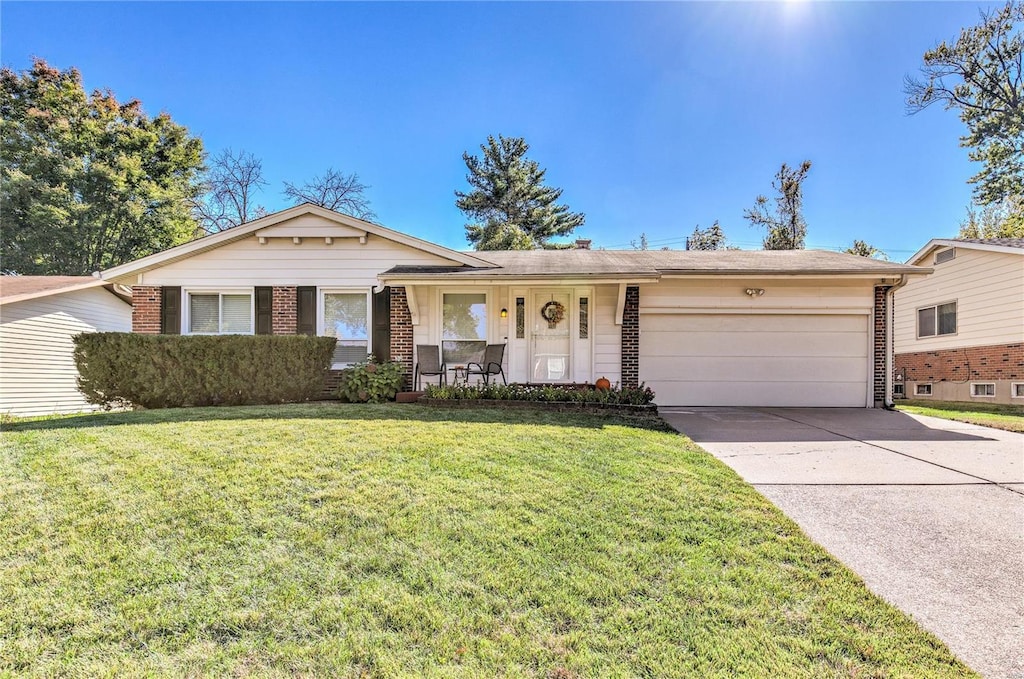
504	313
754	292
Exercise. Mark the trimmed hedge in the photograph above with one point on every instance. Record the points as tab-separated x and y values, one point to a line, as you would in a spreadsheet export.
170	371
542	393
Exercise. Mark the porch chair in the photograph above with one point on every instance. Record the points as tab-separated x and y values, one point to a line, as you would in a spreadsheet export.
428	362
490	365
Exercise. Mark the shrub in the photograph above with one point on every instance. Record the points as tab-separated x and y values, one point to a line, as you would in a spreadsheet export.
371	382
168	371
547	393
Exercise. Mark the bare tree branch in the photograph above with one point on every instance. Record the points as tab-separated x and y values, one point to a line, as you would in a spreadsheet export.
336	191
229	192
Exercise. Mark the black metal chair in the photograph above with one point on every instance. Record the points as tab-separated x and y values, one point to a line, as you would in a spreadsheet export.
490	365
429	363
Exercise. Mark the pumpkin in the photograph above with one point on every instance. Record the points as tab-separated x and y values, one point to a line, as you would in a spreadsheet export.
603	384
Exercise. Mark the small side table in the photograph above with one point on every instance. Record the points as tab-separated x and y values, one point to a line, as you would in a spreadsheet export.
459	372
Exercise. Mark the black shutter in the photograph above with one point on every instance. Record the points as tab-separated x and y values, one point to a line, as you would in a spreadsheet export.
170	310
381	337
306	303
264	311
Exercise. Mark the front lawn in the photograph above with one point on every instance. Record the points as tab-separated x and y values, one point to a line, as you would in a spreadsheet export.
332	540
998	415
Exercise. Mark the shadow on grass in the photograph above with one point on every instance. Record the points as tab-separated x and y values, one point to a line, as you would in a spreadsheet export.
329	410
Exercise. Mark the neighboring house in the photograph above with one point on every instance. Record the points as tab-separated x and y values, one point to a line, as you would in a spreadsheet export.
959	333
798	328
38	317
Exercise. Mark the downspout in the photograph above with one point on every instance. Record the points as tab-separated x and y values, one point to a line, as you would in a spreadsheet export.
890	313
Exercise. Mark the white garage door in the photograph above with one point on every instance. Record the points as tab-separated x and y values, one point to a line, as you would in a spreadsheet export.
755	360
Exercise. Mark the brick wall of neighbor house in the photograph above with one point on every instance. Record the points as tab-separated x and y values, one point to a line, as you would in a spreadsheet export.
880	316
631	338
146	306
999	362
284	310
401	332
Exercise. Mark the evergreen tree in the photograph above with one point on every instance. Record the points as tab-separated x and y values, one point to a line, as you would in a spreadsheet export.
711	238
511	207
88	182
786	228
864	249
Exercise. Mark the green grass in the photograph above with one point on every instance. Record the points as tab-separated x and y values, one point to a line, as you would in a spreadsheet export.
998	415
332	540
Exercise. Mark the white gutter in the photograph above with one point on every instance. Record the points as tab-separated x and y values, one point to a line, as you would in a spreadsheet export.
890	313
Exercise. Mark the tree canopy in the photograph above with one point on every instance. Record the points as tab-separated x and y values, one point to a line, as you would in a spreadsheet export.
88	182
711	238
511	207
979	74
334	190
1004	219
785	226
865	249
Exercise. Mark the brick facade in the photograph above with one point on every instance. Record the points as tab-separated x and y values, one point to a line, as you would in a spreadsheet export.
998	362
401	332
146	308
631	338
284	310
881	316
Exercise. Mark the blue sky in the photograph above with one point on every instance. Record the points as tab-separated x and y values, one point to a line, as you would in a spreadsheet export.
653	117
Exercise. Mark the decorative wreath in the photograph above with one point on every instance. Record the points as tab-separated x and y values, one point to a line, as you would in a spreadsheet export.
553	312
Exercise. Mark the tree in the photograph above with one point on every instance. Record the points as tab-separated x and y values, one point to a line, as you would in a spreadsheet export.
979	75
711	238
786	229
511	206
863	249
642	244
1004	219
336	191
230	186
88	182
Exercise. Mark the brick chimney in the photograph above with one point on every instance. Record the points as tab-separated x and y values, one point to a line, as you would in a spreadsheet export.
583	243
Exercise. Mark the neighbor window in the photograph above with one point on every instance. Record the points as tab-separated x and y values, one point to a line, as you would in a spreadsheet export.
897	391
945	255
463	327
345	317
937	320
1017	390
220	313
922	390
983	389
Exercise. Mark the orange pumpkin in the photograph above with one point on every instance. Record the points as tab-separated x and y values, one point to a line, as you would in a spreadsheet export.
603	384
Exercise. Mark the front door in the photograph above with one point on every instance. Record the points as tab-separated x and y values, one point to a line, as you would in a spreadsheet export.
549	321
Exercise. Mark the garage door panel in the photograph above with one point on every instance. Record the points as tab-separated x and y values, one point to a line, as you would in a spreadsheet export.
751	359
793	343
756	369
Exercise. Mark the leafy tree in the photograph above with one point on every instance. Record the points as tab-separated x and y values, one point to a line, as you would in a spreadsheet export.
88	182
979	75
786	228
642	244
711	238
230	185
336	191
996	220
864	249
511	206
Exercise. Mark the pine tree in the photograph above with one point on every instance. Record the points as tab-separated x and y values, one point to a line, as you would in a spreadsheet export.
786	228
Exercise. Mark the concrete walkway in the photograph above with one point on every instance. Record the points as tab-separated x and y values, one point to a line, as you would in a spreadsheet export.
930	513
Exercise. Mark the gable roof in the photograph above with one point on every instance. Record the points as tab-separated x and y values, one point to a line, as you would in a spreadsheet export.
1011	245
22	288
653	264
207	243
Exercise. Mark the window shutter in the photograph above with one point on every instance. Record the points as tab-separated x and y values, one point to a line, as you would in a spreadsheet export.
380	338
306	305
264	311
170	310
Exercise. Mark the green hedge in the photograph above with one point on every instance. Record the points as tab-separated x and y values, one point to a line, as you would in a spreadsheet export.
169	371
371	382
547	393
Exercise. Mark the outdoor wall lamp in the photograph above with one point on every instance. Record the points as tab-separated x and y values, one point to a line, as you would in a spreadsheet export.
504	313
754	292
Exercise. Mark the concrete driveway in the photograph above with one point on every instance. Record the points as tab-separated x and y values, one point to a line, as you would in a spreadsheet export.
930	513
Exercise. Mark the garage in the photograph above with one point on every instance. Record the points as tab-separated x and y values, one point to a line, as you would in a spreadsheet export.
720	359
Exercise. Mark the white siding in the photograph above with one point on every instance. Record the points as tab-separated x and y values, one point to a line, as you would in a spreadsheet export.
988	288
607	336
37	367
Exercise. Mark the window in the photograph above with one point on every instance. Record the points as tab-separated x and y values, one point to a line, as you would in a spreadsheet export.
1017	390
922	390
936	320
983	389
584	317
463	327
345	317
945	255
520	317
898	391
220	313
